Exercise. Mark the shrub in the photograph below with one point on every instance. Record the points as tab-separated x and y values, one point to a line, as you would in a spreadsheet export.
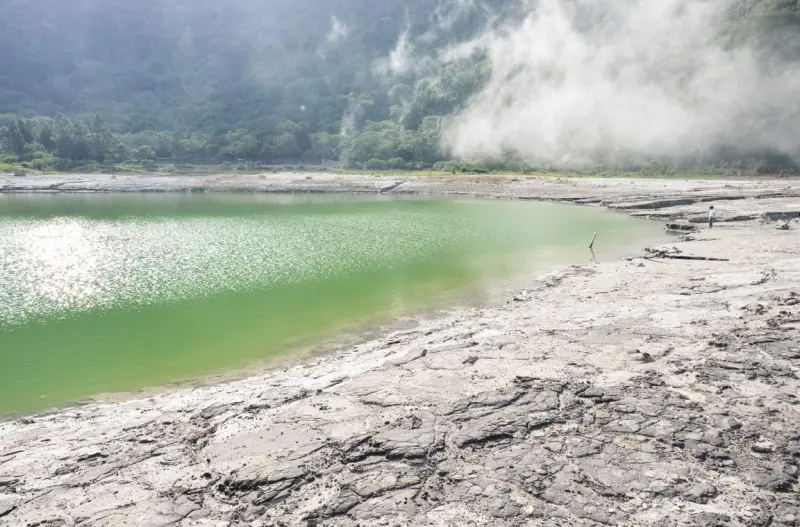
398	163
376	164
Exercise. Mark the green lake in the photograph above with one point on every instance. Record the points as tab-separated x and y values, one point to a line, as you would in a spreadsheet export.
104	293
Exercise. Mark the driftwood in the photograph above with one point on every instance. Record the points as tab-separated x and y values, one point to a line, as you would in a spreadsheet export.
684	257
674	255
591	245
680	227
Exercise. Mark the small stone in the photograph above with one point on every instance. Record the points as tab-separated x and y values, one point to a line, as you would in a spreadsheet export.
728	423
763	447
7	506
701	493
504	509
775	481
624	426
7	481
646	357
554	446
711	519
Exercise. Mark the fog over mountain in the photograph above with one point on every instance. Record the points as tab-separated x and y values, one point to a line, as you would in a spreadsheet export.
625	84
574	81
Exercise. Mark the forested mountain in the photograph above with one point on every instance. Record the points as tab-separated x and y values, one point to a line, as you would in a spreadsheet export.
370	83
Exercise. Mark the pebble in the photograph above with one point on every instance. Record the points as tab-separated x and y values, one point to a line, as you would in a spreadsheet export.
763	447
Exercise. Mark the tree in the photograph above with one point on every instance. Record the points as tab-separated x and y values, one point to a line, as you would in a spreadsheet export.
15	138
72	139
25	130
285	145
115	151
324	146
100	139
241	145
46	137
178	147
145	154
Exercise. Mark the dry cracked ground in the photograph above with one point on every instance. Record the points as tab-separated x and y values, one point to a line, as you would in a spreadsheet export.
653	392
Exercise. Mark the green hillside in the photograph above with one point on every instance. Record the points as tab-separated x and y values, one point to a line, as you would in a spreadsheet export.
113	81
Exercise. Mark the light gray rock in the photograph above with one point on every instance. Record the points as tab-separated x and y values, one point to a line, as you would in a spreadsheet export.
538	410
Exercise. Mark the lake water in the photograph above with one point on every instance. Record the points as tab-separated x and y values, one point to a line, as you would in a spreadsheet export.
105	293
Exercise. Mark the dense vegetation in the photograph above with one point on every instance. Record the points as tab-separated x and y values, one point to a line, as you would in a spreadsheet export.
285	81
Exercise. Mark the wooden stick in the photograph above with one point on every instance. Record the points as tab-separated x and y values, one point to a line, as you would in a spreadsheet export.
704	258
682	257
591	245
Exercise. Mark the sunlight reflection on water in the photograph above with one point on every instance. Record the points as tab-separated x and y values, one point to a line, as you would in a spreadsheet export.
64	264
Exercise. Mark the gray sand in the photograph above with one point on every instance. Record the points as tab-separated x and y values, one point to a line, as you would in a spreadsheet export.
638	392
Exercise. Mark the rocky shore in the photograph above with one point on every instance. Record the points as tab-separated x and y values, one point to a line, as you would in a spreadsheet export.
651	391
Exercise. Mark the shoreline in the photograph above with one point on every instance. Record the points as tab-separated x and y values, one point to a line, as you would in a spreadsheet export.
662	199
651	392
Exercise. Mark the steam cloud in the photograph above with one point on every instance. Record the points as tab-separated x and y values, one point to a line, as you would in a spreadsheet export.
582	81
399	61
339	30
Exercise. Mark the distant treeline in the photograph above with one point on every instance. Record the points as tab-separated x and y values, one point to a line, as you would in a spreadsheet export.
61	143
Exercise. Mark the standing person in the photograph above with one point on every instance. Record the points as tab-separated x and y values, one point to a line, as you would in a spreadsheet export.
711	217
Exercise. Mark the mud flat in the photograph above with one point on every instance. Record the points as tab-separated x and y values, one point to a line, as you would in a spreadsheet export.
649	391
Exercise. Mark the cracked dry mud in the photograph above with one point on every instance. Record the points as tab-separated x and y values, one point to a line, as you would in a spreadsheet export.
642	392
